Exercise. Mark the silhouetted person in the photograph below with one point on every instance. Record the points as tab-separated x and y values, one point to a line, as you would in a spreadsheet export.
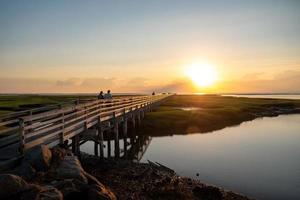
108	95
153	93
100	95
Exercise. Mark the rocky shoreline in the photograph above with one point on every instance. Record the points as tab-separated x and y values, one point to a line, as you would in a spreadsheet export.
129	180
57	174
54	174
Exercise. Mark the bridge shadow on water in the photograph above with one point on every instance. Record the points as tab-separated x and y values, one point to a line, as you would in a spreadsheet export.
131	147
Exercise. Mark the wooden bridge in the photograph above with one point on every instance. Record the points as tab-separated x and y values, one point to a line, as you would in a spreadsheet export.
73	125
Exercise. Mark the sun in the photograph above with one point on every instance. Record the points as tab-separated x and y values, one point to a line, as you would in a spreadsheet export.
202	74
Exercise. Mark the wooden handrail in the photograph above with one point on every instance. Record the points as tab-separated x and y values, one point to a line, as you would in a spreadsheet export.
57	125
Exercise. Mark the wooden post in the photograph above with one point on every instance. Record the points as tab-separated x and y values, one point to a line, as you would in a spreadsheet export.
96	148
100	136
125	132
62	139
139	117
116	135
124	123
125	127
143	113
131	141
22	136
101	143
133	121
76	145
85	119
73	144
108	148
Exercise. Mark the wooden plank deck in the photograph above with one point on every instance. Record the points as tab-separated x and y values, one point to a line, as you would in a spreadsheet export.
19	132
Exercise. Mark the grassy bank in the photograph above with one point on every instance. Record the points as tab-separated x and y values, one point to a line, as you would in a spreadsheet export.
210	112
14	103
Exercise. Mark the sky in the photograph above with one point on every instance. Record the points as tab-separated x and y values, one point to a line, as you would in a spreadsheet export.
140	46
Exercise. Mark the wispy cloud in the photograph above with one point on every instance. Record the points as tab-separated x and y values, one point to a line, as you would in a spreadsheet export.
286	81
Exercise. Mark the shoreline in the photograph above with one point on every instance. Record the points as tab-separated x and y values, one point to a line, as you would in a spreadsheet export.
57	174
151	181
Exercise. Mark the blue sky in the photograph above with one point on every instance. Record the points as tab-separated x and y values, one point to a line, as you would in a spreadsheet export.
144	42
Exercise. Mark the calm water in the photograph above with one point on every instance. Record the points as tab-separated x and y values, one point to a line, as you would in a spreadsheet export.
273	96
260	159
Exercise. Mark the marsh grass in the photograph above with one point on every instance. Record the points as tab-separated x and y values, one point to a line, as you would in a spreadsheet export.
14	103
216	113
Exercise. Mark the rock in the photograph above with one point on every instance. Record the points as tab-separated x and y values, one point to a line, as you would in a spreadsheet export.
11	185
39	157
100	192
70	168
97	190
26	171
69	187
42	193
91	179
58	154
208	193
49	193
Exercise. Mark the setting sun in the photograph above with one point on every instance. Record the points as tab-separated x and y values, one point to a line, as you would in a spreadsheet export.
202	74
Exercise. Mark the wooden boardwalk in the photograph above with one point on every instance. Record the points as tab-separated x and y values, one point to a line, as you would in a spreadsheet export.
73	125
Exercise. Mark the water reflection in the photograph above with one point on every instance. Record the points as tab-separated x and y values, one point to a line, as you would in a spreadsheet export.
188	108
259	158
131	148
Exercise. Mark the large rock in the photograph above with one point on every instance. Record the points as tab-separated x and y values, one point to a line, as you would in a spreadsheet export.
25	170
70	168
70	187
39	157
100	192
42	193
97	190
11	185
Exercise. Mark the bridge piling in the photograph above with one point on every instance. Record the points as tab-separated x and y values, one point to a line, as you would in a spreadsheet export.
76	145
96	148
116	136
108	148
100	132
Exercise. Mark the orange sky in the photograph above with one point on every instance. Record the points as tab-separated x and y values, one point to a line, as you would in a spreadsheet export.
129	46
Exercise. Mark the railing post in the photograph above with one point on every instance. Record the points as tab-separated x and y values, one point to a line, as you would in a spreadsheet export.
125	131
22	136
138	115
116	135
100	137
108	148
63	129
85	118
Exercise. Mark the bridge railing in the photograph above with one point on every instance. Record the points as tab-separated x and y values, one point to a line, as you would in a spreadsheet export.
56	126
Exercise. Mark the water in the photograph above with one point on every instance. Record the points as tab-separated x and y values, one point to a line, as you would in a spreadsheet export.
272	96
260	158
188	108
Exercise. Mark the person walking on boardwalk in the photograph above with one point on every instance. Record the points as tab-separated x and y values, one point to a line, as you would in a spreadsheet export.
100	95
108	95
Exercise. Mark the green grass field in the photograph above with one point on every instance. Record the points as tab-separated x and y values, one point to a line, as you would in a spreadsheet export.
14	103
215	112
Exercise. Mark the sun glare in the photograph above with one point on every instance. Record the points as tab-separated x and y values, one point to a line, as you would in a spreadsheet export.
202	74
